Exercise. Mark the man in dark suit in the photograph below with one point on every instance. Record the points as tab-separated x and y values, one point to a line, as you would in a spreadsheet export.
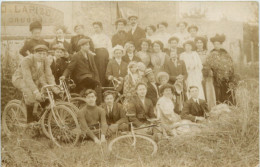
141	107
135	33
195	109
117	68
152	87
115	114
84	69
120	38
130	53
173	46
79	29
34	40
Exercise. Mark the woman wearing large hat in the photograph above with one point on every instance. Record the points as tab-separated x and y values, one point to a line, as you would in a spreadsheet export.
193	65
217	41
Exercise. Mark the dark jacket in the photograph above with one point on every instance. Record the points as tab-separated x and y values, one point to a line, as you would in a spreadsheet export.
138	34
117	116
29	45
66	45
142	112
116	70
126	59
59	67
74	43
78	66
174	71
120	38
191	109
151	93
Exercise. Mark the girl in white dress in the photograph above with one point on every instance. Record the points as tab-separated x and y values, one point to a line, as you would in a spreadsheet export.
194	67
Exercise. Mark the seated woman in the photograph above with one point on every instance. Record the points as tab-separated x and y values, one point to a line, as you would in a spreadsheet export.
144	53
115	114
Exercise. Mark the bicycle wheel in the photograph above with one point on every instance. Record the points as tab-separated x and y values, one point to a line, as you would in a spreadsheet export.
14	118
44	124
63	126
125	148
79	102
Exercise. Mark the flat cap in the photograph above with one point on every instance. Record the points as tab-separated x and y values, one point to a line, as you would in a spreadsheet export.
58	46
40	47
35	24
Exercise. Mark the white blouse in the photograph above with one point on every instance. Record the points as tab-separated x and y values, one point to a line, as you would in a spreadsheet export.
102	41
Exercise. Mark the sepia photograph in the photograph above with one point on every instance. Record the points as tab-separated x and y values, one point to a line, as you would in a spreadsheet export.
130	83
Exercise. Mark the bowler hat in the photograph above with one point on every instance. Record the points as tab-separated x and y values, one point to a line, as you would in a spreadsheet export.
40	47
121	20
35	24
83	41
132	15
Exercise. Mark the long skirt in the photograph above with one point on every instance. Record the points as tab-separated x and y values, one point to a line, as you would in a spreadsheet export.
101	60
223	95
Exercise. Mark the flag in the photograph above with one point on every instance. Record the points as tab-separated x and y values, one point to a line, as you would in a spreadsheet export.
118	12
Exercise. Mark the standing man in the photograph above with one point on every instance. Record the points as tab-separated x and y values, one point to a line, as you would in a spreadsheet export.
35	39
120	38
79	30
135	33
92	117
84	69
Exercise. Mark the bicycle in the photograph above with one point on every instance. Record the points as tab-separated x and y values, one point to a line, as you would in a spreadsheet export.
130	145
116	88
58	116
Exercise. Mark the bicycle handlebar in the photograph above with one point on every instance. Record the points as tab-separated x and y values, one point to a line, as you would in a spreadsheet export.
48	86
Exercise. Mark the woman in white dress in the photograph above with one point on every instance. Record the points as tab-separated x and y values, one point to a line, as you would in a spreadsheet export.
194	67
103	47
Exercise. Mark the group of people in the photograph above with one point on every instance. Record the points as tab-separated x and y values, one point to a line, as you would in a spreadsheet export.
156	72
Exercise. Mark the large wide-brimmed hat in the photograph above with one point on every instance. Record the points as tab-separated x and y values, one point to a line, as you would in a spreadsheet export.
40	47
35	25
121	20
165	24
193	27
162	74
83	41
218	38
173	39
132	14
165	86
190	42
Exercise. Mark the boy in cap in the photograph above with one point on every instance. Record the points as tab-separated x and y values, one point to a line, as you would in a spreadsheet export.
120	37
152	87
79	30
35	39
33	73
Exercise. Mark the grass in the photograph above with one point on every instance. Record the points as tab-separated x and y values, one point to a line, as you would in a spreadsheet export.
231	140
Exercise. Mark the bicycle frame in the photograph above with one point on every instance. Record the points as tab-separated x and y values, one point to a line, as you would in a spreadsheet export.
64	87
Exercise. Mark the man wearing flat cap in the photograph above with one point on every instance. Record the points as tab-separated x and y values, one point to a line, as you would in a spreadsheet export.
79	30
135	33
120	38
83	68
35	39
33	73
